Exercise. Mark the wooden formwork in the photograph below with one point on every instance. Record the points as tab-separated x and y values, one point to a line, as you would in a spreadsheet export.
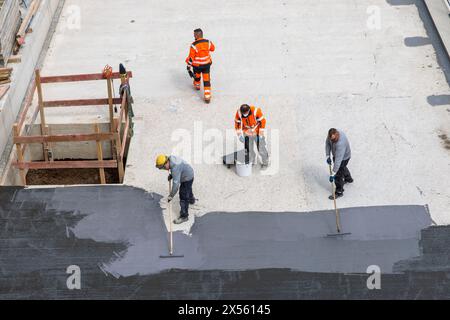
117	133
10	20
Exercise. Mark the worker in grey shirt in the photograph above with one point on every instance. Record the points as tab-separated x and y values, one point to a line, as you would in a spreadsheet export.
182	175
337	144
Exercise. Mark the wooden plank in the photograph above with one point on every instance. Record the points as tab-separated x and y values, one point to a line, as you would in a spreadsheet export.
111	116
10	20
117	146
78	103
15	59
100	156
20	158
81	77
26	21
125	134
49	146
82	164
3	91
110	104
41	111
120	166
67	138
122	111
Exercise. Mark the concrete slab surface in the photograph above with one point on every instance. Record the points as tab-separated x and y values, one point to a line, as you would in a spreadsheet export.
375	69
440	12
307	68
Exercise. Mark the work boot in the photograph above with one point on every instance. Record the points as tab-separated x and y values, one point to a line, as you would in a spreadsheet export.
208	100
338	195
265	164
180	220
192	201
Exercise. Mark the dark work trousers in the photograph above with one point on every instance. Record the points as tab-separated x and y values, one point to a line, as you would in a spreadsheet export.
186	197
205	71
342	175
260	142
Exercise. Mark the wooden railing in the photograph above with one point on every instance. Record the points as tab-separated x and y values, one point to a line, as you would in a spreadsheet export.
116	135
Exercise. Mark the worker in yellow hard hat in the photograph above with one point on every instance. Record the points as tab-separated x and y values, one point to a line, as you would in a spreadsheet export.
182	175
161	160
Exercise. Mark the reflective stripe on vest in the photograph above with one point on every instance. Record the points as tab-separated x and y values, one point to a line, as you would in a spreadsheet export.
254	115
203	49
202	62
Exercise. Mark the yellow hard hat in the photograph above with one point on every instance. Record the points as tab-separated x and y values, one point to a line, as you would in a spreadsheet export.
161	160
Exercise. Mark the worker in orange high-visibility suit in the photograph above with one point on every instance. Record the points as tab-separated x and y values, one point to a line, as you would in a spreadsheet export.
200	59
250	125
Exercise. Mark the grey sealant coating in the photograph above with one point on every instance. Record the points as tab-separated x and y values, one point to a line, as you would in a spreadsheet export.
235	241
38	244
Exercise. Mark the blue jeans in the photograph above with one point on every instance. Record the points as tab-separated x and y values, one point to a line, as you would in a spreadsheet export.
186	197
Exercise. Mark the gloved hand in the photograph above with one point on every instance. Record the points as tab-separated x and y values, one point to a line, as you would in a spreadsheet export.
189	70
332	179
329	161
169	177
241	138
169	198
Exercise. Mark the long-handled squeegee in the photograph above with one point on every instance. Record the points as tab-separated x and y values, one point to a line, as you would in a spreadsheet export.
338	218
171	255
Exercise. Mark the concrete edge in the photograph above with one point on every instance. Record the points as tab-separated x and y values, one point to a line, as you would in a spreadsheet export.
33	56
436	27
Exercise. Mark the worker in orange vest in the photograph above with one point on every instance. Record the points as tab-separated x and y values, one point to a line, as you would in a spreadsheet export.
250	124
200	60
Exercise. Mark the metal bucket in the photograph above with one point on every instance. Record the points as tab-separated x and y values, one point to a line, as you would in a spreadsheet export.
243	169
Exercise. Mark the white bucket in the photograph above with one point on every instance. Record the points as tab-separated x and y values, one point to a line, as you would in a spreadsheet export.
243	170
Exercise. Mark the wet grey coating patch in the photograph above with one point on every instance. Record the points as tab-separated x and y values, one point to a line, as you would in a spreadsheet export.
248	240
40	236
401	2
439	100
417	41
235	241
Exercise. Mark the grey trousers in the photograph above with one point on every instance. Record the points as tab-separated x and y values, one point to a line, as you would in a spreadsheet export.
250	155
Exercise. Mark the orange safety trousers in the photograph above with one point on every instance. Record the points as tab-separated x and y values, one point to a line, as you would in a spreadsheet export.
205	72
